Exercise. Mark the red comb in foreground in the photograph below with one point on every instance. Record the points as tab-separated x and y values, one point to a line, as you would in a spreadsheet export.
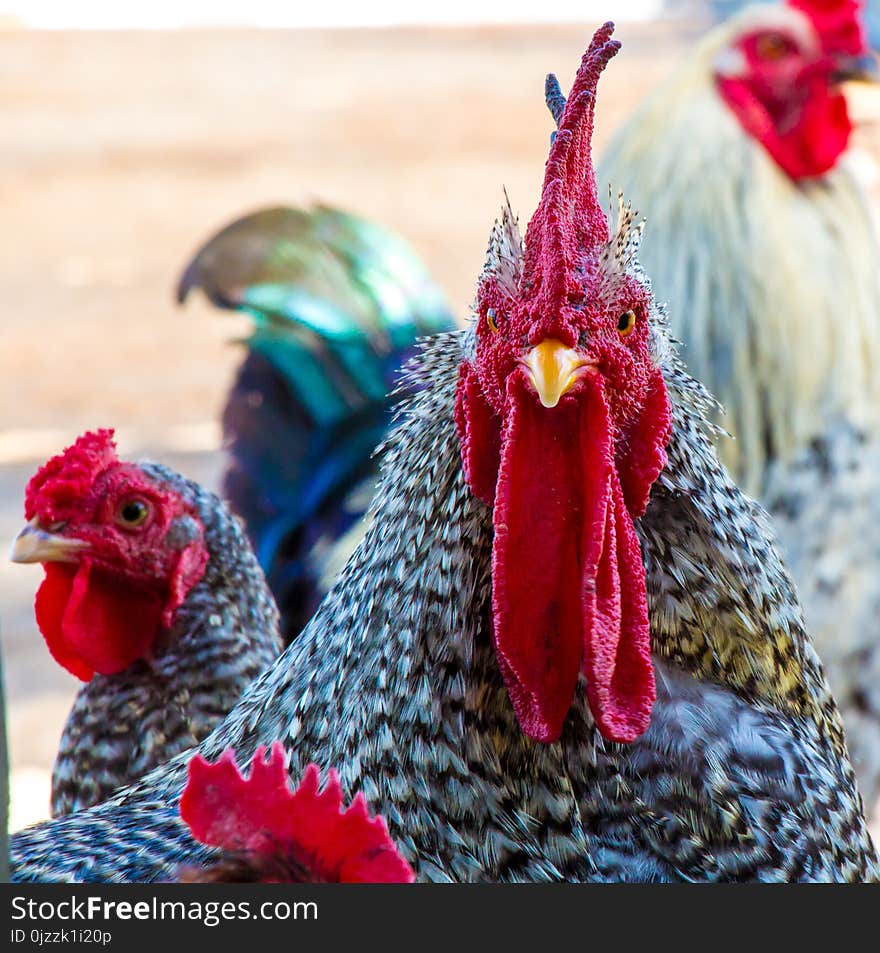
838	24
261	815
57	487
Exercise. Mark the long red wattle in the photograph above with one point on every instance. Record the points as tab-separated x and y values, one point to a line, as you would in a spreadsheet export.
617	635
567	575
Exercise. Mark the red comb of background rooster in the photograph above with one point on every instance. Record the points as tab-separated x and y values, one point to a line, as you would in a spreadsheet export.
838	24
56	488
305	832
563	427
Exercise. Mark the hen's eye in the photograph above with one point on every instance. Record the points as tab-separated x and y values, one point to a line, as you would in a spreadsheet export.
132	513
490	320
626	322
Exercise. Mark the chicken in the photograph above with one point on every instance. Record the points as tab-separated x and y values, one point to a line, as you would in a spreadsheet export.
269	834
762	244
566	648
153	598
338	303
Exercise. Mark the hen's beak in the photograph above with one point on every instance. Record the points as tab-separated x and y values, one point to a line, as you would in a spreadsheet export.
36	545
858	69
553	369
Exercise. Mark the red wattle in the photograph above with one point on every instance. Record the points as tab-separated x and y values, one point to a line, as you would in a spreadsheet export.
537	604
617	643
478	434
92	623
51	600
807	148
568	583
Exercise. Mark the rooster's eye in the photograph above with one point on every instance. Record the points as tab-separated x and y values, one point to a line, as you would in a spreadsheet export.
626	322
490	320
132	513
771	46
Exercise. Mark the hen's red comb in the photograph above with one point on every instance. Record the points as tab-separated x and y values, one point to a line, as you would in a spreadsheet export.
56	487
837	23
262	815
569	221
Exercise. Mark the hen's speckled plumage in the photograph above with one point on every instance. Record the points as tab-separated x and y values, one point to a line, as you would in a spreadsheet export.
224	635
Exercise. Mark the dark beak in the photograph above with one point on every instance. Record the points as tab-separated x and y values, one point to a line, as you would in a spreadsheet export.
858	69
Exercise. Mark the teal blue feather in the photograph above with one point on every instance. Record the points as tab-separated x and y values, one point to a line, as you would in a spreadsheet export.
337	304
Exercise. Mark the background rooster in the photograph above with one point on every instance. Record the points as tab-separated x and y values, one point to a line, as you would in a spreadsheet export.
338	303
566	648
153	598
763	244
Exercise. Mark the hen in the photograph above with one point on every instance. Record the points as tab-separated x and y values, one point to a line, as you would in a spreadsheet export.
763	245
337	303
153	598
566	648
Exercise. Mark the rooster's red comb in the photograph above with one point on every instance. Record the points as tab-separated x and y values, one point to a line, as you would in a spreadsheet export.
838	24
569	222
57	486
261	815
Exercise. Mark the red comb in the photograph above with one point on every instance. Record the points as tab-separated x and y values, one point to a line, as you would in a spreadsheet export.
55	488
837	23
569	221
262	815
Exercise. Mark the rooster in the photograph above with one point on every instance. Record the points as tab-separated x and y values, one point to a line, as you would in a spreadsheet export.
267	833
763	246
338	303
153	598
566	648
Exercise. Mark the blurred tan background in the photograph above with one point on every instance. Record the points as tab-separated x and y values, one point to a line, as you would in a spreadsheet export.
121	151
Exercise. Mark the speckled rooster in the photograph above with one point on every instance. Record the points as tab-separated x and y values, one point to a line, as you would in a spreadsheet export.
762	244
337	304
566	648
153	598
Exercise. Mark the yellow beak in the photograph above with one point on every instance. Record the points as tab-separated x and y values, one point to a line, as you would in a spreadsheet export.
552	369
35	545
